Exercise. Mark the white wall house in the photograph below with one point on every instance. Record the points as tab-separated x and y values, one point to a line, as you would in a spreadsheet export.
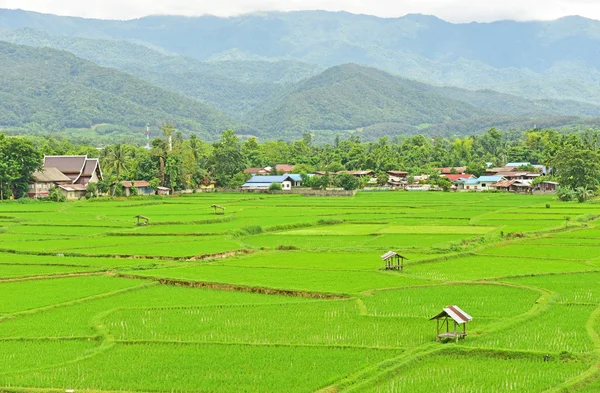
483	183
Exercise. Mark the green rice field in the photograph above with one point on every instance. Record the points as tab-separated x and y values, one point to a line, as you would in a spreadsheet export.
287	293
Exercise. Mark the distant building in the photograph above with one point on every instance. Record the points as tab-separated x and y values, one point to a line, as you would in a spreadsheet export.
142	186
265	182
256	171
457	177
460	170
44	180
483	183
284	168
547	186
80	169
72	191
71	174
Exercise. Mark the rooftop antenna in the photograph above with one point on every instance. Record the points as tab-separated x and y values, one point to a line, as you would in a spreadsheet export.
147	136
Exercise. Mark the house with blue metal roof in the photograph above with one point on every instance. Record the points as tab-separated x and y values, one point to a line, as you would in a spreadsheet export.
265	182
483	183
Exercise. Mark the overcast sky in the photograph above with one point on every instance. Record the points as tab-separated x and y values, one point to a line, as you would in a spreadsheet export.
452	10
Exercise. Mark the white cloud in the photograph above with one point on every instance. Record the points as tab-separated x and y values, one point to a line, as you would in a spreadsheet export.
452	10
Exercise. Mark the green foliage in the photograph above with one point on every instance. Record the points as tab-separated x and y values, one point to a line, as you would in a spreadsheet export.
347	181
63	91
91	190
227	158
382	178
56	195
18	160
578	167
238	180
275	187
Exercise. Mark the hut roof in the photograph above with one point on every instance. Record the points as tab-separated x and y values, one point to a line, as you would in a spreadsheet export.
391	254
454	312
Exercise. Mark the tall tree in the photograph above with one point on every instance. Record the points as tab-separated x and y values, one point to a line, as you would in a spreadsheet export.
116	160
227	158
578	168
18	160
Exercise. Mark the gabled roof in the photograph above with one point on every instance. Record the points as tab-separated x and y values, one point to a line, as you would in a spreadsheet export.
504	184
136	183
397	173
250	185
391	254
74	166
482	179
90	167
456	177
454	312
488	179
295	177
269	179
72	187
448	170
66	164
284	168
358	173
50	175
254	171
518	164
500	169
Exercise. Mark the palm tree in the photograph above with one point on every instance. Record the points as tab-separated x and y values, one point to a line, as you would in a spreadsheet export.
168	131
583	193
116	160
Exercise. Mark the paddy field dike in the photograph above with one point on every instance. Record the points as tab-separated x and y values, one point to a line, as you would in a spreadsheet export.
287	293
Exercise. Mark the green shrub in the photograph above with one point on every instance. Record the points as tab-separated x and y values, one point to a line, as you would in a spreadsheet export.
275	187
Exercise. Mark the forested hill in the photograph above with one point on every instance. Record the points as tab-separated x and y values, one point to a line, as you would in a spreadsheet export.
48	90
352	96
547	59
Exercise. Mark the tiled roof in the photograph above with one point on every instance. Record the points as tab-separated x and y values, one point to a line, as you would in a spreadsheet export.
90	167
284	168
50	175
136	183
66	164
456	177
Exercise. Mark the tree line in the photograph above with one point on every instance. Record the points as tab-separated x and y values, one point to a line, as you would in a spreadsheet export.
178	163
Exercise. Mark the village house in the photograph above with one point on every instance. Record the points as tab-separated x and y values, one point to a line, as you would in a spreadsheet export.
142	187
72	191
546	186
257	171
70	174
483	183
459	170
518	175
285	169
44	180
265	182
456	177
397	178
80	169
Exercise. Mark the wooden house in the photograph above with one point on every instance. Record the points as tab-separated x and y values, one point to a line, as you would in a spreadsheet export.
80	169
72	191
142	186
44	180
547	186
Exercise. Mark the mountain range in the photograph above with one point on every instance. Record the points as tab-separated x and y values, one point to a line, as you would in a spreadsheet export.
278	75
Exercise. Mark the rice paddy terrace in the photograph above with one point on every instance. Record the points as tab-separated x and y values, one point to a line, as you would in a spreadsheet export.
289	294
